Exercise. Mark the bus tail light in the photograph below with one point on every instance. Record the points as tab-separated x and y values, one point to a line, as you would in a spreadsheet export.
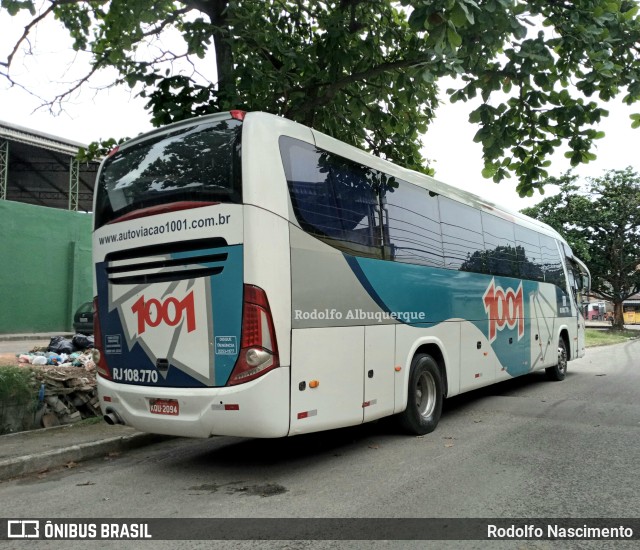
98	352
258	348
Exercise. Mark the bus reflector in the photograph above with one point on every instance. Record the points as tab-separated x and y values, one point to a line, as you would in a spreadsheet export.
258	347
237	114
232	407
98	354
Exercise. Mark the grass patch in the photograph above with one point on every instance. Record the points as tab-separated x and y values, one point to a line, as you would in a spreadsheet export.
606	337
17	384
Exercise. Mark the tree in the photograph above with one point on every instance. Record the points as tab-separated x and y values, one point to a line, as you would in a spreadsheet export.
367	72
602	225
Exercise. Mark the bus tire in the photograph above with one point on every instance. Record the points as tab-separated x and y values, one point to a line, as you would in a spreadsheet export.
424	401
559	371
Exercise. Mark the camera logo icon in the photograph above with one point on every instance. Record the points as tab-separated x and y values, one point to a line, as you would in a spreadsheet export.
23	529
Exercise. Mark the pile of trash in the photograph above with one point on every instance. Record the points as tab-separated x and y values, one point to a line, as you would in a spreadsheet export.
62	351
75	359
65	374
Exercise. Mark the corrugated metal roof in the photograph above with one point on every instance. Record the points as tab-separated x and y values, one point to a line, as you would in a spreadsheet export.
39	139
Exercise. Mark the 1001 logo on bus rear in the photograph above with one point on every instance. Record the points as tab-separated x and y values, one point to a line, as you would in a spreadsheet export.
153	312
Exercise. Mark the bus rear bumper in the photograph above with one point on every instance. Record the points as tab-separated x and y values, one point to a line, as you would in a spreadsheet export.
259	408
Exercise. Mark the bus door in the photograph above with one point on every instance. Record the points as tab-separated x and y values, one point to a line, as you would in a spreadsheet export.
543	347
580	285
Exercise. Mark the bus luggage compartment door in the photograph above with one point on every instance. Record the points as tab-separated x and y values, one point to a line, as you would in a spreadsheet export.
326	378
379	371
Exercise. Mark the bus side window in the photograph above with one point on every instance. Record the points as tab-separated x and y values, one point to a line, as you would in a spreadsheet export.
528	253
462	238
500	246
551	262
354	188
333	198
576	281
414	225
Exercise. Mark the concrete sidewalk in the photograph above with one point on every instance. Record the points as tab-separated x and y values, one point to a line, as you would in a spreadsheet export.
21	343
45	449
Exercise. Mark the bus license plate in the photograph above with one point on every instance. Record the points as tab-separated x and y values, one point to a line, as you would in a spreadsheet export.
164	406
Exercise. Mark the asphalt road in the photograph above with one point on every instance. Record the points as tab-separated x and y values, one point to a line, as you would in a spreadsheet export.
524	448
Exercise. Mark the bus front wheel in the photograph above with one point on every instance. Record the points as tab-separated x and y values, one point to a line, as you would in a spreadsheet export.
424	402
559	371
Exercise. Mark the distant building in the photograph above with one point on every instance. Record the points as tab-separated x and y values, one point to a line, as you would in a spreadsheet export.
41	169
597	309
631	310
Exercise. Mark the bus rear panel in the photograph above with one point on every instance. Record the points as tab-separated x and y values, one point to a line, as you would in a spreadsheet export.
186	347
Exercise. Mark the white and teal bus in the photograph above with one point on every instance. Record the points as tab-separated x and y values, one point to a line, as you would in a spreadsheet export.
255	277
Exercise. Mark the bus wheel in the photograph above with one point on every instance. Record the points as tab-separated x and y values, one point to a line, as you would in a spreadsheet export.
424	402
559	371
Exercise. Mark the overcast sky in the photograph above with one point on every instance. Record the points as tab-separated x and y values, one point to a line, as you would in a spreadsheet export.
94	114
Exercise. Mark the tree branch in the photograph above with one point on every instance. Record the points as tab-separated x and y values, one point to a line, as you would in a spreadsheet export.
25	33
334	87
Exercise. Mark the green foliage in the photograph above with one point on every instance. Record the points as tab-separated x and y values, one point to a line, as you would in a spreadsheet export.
367	72
14	6
98	149
17	385
602	225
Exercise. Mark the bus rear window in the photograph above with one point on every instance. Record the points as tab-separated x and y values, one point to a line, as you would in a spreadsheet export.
199	163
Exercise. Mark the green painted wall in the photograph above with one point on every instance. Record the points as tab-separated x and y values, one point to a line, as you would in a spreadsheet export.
45	269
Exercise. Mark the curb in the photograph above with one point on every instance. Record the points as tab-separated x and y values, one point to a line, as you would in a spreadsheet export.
30	464
35	336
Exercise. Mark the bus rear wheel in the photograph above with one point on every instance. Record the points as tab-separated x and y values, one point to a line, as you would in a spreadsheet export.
559	371
424	402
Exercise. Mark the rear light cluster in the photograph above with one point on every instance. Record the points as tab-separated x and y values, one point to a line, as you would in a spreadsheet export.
258	348
98	352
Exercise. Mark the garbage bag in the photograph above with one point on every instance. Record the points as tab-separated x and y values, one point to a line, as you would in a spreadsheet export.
60	344
82	342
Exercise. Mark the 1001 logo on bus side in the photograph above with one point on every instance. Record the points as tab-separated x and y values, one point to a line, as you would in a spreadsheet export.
504	308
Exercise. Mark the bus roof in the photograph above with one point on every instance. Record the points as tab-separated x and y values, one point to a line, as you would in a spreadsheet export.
359	155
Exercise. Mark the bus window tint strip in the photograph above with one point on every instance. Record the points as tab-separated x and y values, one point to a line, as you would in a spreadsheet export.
365	212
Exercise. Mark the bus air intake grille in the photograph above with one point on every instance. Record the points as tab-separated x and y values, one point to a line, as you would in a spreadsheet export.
167	263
